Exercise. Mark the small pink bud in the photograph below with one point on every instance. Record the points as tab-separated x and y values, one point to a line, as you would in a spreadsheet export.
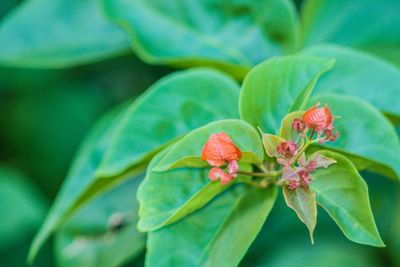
287	149
305	177
334	137
328	133
216	173
298	125
233	168
226	178
293	184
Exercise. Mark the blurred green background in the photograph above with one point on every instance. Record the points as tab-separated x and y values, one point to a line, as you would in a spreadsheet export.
44	115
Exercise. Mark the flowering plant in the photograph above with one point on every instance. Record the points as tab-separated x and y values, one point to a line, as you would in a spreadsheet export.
188	172
205	177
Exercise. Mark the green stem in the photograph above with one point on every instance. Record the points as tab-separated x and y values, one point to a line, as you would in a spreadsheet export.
252	183
301	151
261	174
312	134
258	174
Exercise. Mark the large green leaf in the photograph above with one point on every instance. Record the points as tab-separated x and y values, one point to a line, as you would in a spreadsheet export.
171	108
350	23
278	86
187	151
80	184
361	75
102	233
343	193
217	235
22	208
230	35
167	196
42	34
364	133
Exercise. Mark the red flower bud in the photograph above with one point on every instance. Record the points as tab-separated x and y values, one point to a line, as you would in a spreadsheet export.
318	118
287	149
298	125
305	177
220	149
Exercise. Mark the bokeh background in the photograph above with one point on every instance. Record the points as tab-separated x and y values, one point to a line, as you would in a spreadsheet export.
45	114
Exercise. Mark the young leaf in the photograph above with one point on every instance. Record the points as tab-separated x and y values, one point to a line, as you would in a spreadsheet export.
62	33
278	86
96	236
187	151
302	201
342	192
217	235
270	143
171	108
364	132
232	37
383	38
361	75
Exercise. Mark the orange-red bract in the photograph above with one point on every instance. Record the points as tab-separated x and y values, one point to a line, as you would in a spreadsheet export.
318	118
220	149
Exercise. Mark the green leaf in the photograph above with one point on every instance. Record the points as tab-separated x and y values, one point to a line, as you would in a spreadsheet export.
54	34
187	151
354	26
81	184
364	133
361	75
166	197
217	235
22	208
270	143
277	87
172	107
302	201
343	193
232	36
98	234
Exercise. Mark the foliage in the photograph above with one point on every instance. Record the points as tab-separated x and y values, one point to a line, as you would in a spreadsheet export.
142	182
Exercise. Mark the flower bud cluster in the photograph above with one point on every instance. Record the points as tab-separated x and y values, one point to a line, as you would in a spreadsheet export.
319	120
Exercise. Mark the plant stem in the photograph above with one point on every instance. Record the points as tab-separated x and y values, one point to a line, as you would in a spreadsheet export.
301	151
312	134
260	174
252	183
